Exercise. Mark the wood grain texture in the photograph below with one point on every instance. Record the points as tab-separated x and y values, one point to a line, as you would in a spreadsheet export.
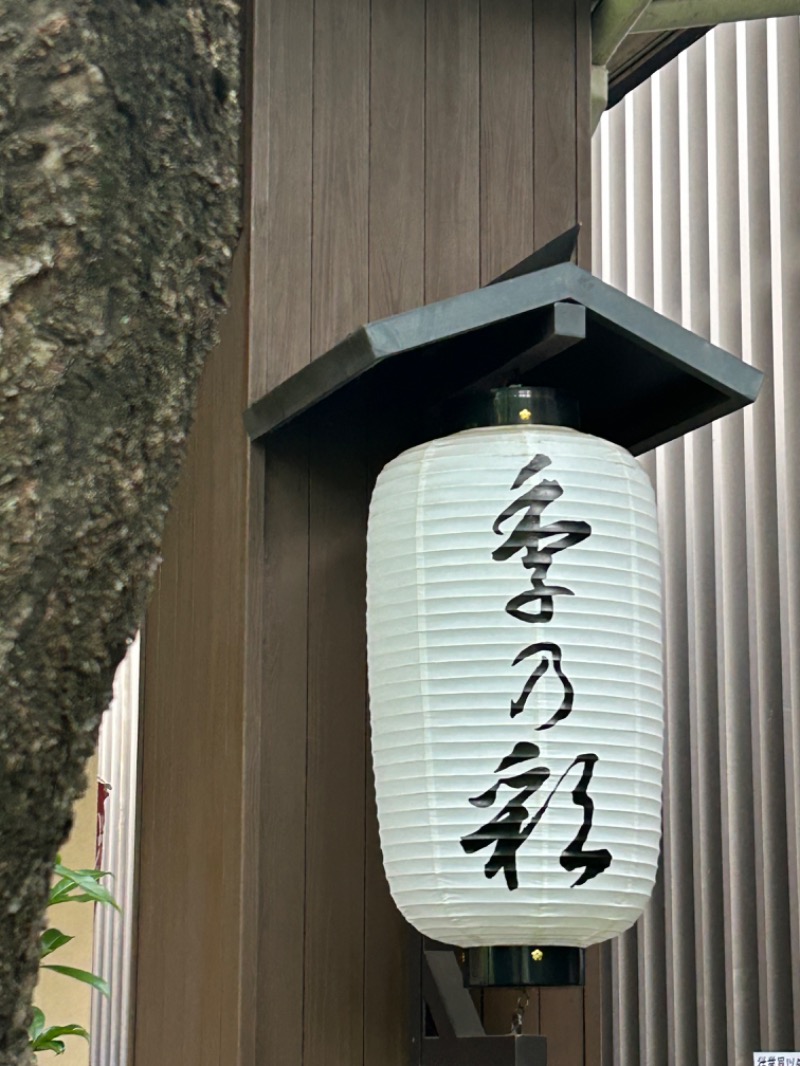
499	1004
281	886
506	146
393	154
397	157
340	170
250	808
396	283
190	838
583	130
561	1021
281	191
554	118
452	149
335	781
593	1008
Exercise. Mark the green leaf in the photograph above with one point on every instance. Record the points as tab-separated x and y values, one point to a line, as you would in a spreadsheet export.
81	975
49	1045
51	939
65	1030
78	875
37	1024
66	890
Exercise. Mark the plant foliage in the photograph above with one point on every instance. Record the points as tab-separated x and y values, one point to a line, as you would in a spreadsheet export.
71	886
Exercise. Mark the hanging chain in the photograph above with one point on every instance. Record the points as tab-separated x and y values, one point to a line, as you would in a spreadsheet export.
519	1014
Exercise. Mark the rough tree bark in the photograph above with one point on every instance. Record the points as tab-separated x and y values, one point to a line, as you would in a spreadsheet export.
119	128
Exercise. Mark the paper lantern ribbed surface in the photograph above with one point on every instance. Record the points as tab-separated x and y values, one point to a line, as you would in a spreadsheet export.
514	636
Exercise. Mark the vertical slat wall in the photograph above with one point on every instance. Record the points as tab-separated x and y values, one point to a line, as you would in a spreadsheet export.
188	912
697	212
117	766
403	151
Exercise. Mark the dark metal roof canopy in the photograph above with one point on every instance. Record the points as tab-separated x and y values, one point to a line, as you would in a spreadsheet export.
640	378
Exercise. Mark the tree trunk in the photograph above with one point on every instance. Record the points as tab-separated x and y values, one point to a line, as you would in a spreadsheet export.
119	129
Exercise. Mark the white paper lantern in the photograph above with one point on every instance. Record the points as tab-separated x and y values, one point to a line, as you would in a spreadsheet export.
514	632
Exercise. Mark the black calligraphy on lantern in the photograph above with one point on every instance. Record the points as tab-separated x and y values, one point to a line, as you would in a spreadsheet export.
537	543
509	829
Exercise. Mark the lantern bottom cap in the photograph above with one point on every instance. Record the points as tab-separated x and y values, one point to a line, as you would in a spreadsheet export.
522	967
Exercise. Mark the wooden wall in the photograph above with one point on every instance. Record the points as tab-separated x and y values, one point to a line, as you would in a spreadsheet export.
187	930
402	151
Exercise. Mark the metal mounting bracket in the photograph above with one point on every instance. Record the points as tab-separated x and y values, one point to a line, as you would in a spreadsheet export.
461	1039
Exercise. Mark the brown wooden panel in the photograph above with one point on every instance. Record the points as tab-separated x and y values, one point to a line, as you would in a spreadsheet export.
592	1008
396	283
554	116
506	145
282	845
583	130
281	191
187	977
397	157
335	782
341	170
499	1004
561	1021
250	813
452	164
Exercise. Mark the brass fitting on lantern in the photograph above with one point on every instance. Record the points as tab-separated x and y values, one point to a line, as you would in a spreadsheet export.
519	967
538	406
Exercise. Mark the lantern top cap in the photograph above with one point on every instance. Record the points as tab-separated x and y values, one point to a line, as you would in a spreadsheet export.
640	379
528	405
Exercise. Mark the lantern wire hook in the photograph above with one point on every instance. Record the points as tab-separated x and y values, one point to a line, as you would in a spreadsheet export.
519	1014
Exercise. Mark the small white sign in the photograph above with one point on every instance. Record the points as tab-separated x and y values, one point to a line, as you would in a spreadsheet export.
776	1058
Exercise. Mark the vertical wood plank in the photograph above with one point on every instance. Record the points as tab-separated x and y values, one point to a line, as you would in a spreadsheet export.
282	845
593	1008
281	191
452	165
583	130
251	810
499	1004
396	283
506	145
561	1022
335	785
554	118
335	870
397	157
340	170
190	852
